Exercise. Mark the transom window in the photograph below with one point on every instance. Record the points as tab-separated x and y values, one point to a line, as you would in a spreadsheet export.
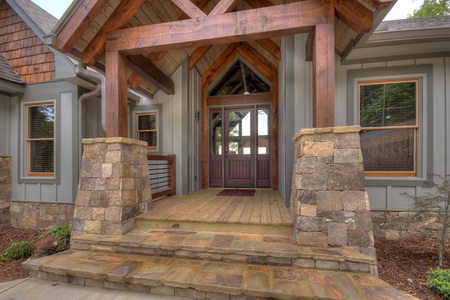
147	129
389	119
40	139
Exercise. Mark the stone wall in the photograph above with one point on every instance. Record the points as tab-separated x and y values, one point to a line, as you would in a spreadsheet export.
5	190
114	186
40	215
329	202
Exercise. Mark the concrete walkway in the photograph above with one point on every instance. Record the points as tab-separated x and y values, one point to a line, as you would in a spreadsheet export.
32	289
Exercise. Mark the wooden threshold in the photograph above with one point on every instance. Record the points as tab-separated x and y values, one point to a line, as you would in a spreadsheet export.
265	213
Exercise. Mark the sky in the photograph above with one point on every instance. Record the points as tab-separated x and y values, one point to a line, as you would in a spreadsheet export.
400	11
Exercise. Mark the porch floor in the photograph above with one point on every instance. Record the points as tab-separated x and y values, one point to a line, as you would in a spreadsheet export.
205	211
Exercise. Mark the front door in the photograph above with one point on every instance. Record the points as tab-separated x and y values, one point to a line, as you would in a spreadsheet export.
245	140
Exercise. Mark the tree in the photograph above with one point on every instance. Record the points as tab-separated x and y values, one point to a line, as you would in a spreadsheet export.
435	207
432	8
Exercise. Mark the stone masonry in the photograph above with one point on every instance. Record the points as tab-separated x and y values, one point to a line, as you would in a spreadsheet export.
5	190
40	215
329	201
114	186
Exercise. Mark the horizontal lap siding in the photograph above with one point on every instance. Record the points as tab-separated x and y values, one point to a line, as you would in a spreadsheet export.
23	49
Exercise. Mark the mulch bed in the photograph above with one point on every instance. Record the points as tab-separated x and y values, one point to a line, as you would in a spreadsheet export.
403	264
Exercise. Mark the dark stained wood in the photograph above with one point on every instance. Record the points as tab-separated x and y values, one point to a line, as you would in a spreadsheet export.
189	8
323	76
233	100
195	57
222	62
355	15
259	3
151	73
171	162
118	19
78	23
116	95
224	6
379	4
309	47
258	61
272	47
298	17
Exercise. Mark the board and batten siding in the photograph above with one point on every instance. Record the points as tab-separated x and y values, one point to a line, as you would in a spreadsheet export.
62	187
434	133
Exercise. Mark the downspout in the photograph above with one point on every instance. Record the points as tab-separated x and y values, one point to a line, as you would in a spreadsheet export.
98	90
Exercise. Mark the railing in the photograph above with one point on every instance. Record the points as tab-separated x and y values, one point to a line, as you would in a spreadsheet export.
162	173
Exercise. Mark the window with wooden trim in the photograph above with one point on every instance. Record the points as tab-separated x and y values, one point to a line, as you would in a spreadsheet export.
40	139
147	129
389	119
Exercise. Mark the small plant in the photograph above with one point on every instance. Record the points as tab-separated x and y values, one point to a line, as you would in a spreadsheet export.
439	281
435	207
55	240
19	250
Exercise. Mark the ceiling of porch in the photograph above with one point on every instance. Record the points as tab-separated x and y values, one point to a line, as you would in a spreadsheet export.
113	12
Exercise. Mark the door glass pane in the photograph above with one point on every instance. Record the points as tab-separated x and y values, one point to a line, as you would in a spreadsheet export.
263	131
239	129
216	133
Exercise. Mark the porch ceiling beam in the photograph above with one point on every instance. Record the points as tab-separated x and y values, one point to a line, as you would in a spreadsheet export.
78	23
258	61
189	8
259	3
135	79
198	54
116	95
118	19
379	4
151	73
223	7
355	15
297	17
220	64
271	47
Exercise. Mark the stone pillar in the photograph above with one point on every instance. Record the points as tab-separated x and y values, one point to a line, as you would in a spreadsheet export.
114	186
5	190
329	201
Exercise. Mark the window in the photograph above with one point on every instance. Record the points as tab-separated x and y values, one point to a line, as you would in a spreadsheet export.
147	129
40	139
389	119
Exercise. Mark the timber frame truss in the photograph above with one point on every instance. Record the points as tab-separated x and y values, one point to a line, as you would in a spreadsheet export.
139	48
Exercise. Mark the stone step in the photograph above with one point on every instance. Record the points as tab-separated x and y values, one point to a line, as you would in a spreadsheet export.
198	279
240	248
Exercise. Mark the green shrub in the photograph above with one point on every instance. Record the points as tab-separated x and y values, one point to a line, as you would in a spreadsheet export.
19	250
60	237
439	281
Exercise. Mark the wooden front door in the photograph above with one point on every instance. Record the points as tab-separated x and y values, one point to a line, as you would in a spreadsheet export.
239	152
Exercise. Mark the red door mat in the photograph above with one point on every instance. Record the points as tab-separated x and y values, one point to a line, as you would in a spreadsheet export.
237	193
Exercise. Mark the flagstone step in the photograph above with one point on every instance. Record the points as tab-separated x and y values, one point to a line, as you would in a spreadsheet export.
240	248
199	279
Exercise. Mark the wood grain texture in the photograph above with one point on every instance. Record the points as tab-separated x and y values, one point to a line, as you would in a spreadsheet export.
189	8
298	17
355	15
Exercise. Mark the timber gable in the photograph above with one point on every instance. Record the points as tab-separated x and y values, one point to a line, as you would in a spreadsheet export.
23	49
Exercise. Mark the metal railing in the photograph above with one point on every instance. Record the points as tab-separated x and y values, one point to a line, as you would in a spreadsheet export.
162	173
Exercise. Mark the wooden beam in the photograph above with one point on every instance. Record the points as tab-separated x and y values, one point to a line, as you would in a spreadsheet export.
118	19
323	76
379	4
135	79
151	73
220	64
195	57
224	6
355	15
271	47
259	3
258	61
309	47
189	8
116	95
78	23
297	17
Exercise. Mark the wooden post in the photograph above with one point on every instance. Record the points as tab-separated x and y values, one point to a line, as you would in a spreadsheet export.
323	75
116	95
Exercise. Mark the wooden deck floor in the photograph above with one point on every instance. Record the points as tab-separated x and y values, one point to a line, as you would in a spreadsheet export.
220	212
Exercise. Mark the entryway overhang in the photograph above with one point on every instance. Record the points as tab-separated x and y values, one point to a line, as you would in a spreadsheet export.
135	40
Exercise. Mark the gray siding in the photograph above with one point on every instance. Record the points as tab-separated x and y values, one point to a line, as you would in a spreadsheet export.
5	123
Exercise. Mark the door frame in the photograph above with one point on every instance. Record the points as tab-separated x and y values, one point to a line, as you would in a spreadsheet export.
266	99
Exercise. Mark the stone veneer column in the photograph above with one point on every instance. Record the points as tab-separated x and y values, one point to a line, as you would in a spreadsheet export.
114	186
329	201
5	190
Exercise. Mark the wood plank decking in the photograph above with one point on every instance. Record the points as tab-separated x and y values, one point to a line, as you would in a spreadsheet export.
205	211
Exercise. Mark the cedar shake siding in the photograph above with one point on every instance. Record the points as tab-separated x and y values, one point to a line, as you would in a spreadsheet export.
23	49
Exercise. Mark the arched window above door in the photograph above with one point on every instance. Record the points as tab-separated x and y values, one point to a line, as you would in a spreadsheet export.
239	79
